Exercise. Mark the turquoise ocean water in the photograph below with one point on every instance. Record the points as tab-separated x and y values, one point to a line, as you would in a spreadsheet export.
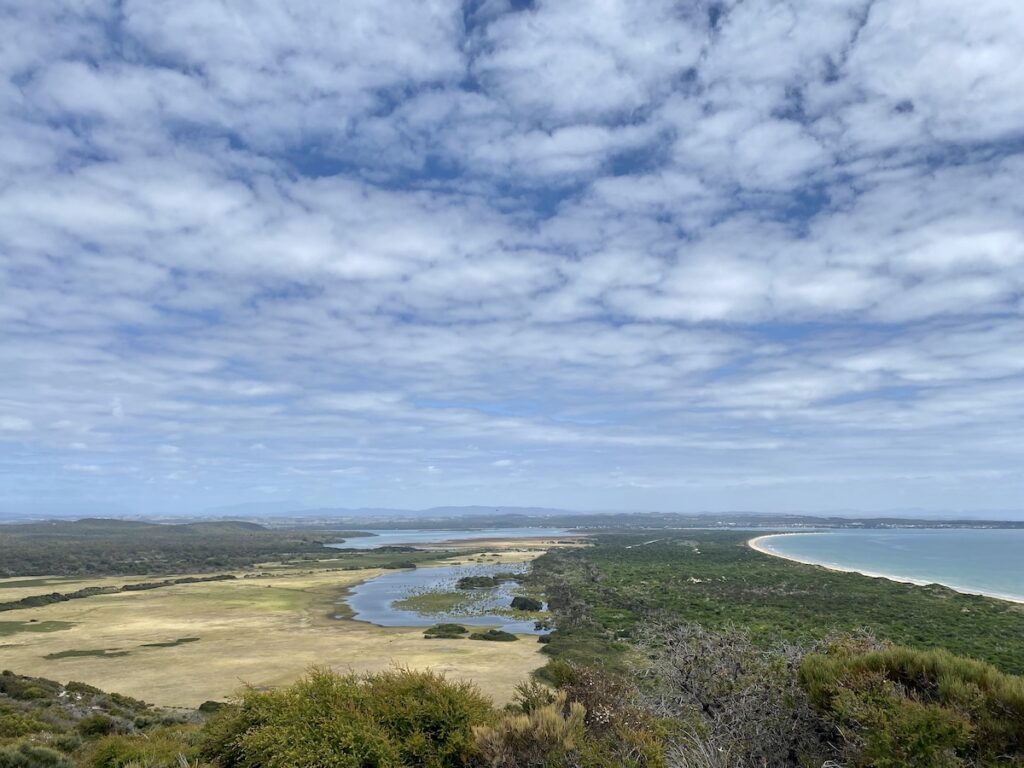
986	561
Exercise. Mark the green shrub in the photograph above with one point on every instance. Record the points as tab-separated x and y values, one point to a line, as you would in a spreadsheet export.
66	742
620	731
14	723
521	603
496	635
26	688
476	582
547	736
925	708
30	756
159	748
531	695
388	720
448	631
96	725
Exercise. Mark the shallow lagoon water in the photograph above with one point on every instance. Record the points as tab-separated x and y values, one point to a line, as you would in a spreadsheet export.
372	600
984	561
415	537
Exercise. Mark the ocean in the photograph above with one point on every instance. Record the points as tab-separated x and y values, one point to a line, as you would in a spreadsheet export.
984	561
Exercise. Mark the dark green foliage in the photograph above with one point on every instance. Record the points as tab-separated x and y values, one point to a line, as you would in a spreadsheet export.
400	565
521	603
66	742
48	716
449	631
26	688
486	582
15	722
73	653
158	748
27	755
96	725
171	643
389	720
494	635
477	582
900	706
34	601
13	627
128	547
600	594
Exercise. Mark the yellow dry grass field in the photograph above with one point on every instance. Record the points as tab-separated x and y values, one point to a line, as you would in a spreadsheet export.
262	630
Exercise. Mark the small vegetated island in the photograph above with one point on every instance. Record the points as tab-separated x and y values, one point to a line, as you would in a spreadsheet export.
675	649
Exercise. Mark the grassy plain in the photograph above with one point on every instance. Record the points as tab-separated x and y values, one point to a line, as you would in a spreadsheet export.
265	629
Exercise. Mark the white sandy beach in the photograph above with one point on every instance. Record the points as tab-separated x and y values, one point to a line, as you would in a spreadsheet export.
758	544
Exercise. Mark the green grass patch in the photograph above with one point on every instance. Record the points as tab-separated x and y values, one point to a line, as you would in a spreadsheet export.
8	628
359	560
436	602
17	583
101	653
171	643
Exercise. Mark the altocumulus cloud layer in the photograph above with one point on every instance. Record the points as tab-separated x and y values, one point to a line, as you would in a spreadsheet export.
692	255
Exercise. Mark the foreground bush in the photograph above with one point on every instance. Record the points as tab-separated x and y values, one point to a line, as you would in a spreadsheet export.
160	748
547	728
924	709
545	736
388	720
620	731
733	700
30	756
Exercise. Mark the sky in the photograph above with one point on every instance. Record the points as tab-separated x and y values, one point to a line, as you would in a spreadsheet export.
678	256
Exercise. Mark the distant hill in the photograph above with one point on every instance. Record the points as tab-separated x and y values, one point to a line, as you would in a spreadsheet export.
105	527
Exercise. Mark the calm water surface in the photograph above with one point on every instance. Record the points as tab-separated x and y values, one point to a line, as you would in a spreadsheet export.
986	561
372	601
422	536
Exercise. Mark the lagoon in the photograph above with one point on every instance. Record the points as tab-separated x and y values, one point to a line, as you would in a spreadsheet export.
373	600
422	536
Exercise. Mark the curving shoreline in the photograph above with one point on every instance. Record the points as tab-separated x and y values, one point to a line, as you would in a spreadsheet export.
757	544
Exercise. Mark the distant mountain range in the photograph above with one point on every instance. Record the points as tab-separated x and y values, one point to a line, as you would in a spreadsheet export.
283	513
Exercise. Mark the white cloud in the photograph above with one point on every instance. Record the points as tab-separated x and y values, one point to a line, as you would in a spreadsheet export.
306	247
14	424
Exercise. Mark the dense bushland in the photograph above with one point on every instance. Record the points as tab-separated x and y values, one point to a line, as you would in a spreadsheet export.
695	653
601	595
700	699
395	719
93	547
901	706
44	724
761	662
